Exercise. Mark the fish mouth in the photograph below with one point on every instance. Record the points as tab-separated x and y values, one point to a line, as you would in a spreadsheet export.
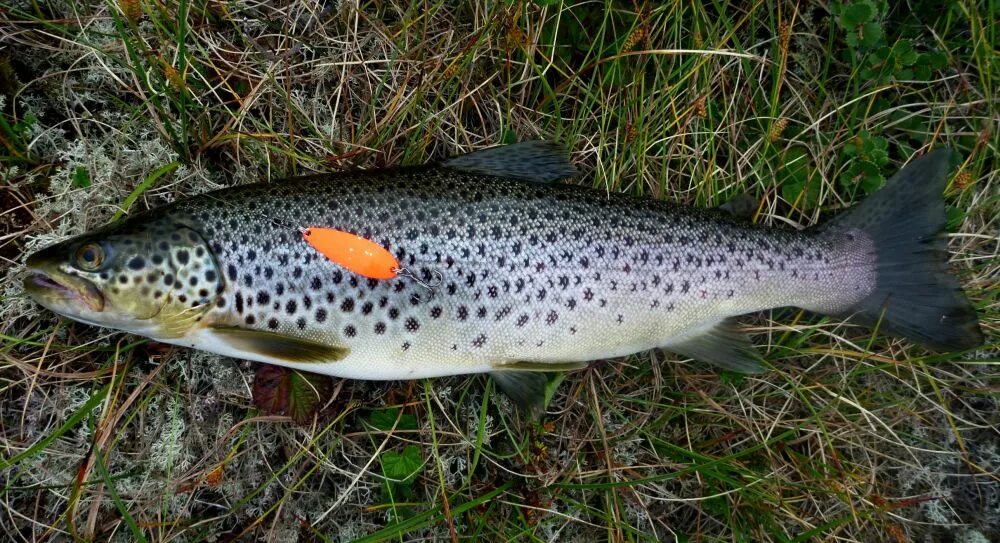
62	292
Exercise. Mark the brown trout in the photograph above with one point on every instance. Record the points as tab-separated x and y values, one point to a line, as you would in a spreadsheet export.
502	270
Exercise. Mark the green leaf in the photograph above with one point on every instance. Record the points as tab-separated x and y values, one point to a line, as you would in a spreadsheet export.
907	56
402	467
871	33
934	61
954	217
81	179
793	174
385	420
871	183
854	15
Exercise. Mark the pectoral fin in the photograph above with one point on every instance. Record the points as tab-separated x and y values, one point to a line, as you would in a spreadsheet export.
540	161
278	346
724	346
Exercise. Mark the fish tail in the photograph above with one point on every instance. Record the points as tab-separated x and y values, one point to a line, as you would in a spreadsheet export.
914	296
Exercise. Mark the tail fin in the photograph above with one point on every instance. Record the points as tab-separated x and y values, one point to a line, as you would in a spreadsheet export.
914	297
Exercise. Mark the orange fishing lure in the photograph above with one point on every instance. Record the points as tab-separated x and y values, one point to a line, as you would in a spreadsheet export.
357	254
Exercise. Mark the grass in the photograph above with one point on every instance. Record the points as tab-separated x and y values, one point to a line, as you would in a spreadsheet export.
122	106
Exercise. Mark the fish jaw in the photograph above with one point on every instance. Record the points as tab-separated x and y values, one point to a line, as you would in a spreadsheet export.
61	292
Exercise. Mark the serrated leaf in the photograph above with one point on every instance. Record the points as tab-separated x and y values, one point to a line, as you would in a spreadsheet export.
307	390
865	168
385	419
81	178
907	56
871	183
934	61
871	33
402	467
853	15
280	391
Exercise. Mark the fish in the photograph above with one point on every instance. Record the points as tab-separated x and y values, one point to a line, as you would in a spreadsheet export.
503	268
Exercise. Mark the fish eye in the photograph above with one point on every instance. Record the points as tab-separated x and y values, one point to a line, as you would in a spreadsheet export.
89	256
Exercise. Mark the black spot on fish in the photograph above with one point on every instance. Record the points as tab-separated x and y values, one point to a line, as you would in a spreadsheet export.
366	308
463	312
168	279
481	312
551	318
137	263
393	313
231	272
412	325
301	323
183	256
350	331
379	327
239	302
479	341
251	319
291	307
522	320
347	305
316	284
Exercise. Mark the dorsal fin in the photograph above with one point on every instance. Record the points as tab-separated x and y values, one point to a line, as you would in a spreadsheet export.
535	160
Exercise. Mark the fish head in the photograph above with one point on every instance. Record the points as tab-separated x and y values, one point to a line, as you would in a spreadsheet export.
156	278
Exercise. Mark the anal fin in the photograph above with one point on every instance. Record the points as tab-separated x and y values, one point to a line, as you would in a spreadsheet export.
724	346
277	346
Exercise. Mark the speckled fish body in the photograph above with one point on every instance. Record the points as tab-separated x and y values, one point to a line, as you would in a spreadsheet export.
497	273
